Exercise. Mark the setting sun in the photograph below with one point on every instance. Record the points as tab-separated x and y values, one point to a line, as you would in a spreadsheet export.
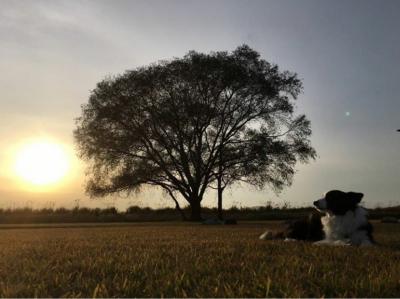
41	163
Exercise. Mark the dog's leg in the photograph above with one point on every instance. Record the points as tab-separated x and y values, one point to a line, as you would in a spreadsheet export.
341	243
332	242
360	238
366	243
272	235
322	242
290	240
268	235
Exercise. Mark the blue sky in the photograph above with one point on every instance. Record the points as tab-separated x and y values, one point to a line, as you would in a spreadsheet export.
346	52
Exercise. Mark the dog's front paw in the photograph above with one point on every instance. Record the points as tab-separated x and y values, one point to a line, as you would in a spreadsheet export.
332	242
341	243
322	242
290	240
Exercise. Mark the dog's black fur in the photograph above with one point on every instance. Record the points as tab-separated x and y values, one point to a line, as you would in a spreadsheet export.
306	229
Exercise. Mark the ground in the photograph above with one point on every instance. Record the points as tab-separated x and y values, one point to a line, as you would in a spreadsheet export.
190	260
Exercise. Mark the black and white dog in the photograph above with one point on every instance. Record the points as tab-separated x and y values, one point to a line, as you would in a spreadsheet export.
344	223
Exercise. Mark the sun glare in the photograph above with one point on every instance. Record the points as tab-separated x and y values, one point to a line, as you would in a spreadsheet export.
41	163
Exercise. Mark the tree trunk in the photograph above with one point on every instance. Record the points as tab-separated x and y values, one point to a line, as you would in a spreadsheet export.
219	184
220	190
195	210
180	211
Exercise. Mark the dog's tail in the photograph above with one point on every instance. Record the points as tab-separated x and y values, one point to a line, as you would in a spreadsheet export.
272	235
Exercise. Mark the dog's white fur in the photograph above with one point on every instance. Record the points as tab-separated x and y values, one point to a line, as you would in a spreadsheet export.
343	229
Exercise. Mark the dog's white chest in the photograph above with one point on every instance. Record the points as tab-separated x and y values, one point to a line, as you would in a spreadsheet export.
342	227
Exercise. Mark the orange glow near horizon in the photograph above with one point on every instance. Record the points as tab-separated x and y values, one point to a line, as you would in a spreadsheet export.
41	163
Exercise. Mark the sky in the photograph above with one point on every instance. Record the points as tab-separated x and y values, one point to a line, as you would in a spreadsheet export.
347	53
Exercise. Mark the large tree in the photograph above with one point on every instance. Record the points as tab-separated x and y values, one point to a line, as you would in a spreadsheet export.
194	122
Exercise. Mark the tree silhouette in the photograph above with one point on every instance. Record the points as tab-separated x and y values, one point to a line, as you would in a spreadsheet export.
204	120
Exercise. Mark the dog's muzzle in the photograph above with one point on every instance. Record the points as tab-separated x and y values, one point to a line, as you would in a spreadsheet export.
320	204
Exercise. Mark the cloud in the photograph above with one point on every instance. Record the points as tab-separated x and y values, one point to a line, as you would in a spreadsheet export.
43	30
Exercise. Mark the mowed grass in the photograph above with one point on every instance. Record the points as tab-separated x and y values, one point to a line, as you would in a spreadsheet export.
191	260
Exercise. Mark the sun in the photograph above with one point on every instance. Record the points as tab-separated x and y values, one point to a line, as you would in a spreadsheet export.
41	163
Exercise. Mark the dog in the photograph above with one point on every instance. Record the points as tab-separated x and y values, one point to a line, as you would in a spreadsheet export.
344	223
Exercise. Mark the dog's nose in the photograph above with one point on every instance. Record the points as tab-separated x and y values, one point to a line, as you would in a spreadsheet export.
315	203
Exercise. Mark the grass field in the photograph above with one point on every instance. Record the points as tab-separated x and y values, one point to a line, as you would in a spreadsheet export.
190	260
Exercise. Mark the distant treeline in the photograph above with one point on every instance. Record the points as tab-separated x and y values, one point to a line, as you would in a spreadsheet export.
138	214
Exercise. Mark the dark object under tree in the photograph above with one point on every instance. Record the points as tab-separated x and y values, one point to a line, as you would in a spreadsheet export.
204	120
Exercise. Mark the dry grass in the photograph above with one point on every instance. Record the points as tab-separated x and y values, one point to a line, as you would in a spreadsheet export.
189	260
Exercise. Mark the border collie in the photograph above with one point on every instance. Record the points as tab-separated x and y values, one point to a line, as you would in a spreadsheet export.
344	223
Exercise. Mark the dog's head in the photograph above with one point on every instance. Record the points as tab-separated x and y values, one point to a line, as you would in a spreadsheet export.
337	202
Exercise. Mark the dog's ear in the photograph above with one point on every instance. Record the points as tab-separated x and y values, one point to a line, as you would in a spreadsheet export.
355	196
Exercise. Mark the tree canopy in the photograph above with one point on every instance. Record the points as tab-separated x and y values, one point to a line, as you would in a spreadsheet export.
187	124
